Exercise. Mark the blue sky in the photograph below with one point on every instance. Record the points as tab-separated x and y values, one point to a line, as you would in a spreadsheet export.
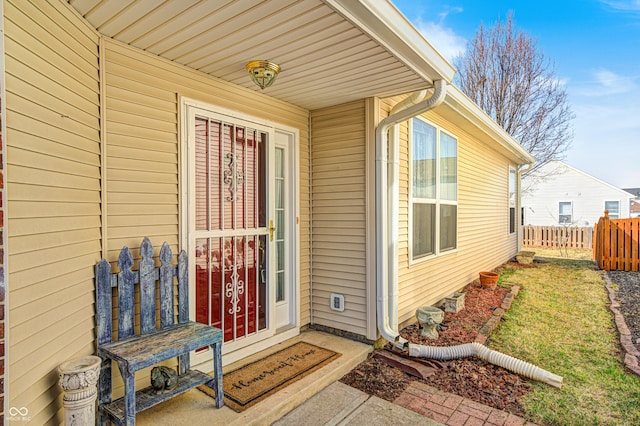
595	48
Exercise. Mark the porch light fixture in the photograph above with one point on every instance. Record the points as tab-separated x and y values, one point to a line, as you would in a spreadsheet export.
263	73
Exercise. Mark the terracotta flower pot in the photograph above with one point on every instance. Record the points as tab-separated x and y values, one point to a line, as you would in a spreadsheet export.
489	279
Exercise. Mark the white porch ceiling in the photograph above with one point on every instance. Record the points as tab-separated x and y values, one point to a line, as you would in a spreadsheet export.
326	59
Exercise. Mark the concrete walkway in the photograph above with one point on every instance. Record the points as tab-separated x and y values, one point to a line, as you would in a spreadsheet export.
342	405
419	404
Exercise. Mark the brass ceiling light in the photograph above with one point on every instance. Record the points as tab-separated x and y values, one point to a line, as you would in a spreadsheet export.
263	73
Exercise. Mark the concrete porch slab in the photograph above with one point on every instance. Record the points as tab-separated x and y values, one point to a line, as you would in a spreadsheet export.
327	408
195	408
378	412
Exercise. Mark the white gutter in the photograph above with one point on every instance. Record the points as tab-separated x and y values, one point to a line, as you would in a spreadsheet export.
386	244
494	134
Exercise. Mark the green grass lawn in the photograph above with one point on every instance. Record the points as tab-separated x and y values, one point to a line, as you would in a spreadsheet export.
567	253
561	322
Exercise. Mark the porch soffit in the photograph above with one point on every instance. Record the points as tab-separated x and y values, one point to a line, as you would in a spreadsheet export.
327	57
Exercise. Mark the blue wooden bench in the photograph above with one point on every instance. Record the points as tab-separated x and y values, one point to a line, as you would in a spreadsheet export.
154	341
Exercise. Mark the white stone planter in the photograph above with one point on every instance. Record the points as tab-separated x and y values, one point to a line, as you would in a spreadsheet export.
429	317
454	303
78	379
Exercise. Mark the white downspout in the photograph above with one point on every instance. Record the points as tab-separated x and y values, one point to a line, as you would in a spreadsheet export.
386	240
519	225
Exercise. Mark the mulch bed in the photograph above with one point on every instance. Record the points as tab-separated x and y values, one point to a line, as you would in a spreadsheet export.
628	295
377	378
469	377
464	326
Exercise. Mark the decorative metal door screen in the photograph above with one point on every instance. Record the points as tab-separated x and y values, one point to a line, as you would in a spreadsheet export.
230	227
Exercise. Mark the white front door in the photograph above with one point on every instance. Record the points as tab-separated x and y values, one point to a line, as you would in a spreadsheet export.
241	223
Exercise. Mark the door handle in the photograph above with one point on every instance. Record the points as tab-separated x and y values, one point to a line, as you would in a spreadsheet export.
271	230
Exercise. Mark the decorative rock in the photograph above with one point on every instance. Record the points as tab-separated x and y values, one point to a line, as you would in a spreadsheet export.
429	317
632	355
525	257
79	378
454	303
163	378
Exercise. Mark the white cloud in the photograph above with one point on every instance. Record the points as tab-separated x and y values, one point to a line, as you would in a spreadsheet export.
605	83
624	5
613	82
450	9
444	39
430	19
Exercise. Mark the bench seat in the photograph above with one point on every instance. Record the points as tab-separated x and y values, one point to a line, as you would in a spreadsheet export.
149	349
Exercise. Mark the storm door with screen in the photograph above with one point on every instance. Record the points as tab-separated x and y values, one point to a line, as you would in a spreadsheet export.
233	236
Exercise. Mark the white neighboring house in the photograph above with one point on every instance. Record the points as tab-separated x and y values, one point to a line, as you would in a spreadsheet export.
569	196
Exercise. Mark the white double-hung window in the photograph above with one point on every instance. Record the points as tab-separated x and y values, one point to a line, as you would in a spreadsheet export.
565	212
512	199
433	190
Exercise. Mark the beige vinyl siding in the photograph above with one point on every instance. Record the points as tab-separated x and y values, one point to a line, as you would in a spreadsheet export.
53	174
338	156
484	241
143	143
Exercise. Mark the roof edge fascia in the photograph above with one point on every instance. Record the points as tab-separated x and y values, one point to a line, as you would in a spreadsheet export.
382	21
468	109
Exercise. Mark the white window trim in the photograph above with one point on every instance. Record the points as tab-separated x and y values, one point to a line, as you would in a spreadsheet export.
436	200
515	201
619	207
572	215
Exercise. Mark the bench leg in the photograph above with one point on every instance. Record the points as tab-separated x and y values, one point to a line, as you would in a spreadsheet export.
129	394
104	391
217	370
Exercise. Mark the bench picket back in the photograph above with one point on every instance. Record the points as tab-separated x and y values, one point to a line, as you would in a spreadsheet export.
152	343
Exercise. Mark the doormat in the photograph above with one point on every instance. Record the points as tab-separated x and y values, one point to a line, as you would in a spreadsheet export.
254	382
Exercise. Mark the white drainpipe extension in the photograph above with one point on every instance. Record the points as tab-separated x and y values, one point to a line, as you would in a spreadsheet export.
386	243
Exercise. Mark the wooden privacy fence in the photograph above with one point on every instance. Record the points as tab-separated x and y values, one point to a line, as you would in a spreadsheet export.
557	236
617	244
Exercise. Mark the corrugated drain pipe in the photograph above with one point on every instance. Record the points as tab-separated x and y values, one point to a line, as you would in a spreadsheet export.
494	357
386	246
